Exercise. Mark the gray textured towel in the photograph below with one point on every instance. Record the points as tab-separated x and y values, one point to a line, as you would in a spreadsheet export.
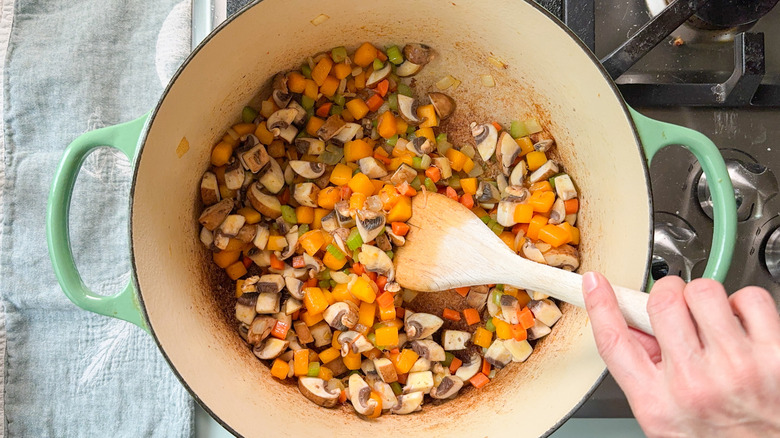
72	66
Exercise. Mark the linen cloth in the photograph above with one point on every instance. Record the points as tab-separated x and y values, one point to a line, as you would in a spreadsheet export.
73	66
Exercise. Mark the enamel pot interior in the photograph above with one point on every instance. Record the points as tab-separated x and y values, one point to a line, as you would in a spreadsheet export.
548	75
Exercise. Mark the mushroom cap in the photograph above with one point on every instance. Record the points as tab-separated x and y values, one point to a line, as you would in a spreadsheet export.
214	215
360	395
417	53
406	109
341	315
442	103
308	169
448	387
507	150
408	403
421	325
376	260
486	138
316	390
369	224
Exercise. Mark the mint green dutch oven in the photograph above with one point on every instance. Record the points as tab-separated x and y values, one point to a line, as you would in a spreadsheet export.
550	75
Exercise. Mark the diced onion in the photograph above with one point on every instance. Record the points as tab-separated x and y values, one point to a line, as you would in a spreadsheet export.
497	62
233	134
409	295
456	84
319	19
184	146
488	81
446	82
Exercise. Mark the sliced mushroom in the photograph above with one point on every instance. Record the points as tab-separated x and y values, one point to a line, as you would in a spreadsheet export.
477	297
209	189
448	387
331	127
544	145
378	75
517	194
300	116
404	173
354	342
518	174
260	329
292	243
428	349
312	264
539	330
303	332
494	309
262	234
396	239
287	134
470	368
564	256
509	309
420	54
281	98
558	212
273	177
267	205
372	168
546	170
369	224
315	389
407	68
520	350
507	152
245	308
267	303
221	241
374	259
487	193
330	222
308	169
453	340
421	325
420	146
255	159
383	242
271	348
247	233
505	213
531	252
497	354
206	237
421	381
386	393
232	225
360	395
408	403
545	311
571	219
341	315
321	334
214	215
269	283
279	82
306	194
443	104
294	286
348	132
281	119
564	187
386	370
443	163
310	146
486	137
343	218
406	109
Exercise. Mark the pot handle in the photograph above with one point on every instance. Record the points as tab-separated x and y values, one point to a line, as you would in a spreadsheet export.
656	135
123	305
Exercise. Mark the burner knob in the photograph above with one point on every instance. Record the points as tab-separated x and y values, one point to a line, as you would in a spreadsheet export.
772	254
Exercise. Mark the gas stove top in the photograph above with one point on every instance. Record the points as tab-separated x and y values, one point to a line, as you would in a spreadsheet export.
716	74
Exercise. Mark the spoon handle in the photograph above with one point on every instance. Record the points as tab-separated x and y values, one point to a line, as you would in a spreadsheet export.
567	286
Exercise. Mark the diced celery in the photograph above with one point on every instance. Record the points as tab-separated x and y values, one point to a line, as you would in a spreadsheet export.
397	390
248	114
355	254
390	254
339	54
335	251
485	219
392	140
441	137
394	55
378	64
489	326
323	275
336	110
532	126
442	147
309	113
405	89
354	241
314	369
416	183
331	155
497	228
339	100
410	129
425	161
417	163
447	359
492	374
303	229
307	102
500	287
454	181
430	185
476	171
372	338
517	129
306	71
392	101
375	123
332	283
468	150
324	284
495	296
288	214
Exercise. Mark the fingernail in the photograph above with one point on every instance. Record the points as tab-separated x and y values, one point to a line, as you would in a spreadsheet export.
589	282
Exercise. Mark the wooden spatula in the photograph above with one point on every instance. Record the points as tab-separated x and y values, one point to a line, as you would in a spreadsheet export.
449	247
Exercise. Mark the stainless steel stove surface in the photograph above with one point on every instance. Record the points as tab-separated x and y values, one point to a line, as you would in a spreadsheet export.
700	78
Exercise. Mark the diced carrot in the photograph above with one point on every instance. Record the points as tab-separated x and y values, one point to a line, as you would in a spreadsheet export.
452	315
247	262
497	126
381	55
471	315
381	282
382	87
280	329
455	364
405	189
312	282
433	173
385	299
371	276
276	263
284	197
451	193
518	332
462	291
384	159
572	205
400	312
526	318
520	227
399	228
280	369
324	109
479	380
374	102
358	269
541	186
485	367
298	262
467	200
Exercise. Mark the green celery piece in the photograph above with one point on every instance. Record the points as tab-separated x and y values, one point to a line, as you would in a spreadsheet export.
248	115
314	369
288	214
489	326
416	183
339	100
517	129
339	54
378	64
417	163
335	251
306	71
405	89
307	102
392	140
430	185
448	357
392	101
394	55
354	241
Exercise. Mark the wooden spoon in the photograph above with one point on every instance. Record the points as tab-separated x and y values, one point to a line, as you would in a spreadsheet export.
449	247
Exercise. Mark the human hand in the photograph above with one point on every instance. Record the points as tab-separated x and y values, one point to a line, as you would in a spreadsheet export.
713	367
